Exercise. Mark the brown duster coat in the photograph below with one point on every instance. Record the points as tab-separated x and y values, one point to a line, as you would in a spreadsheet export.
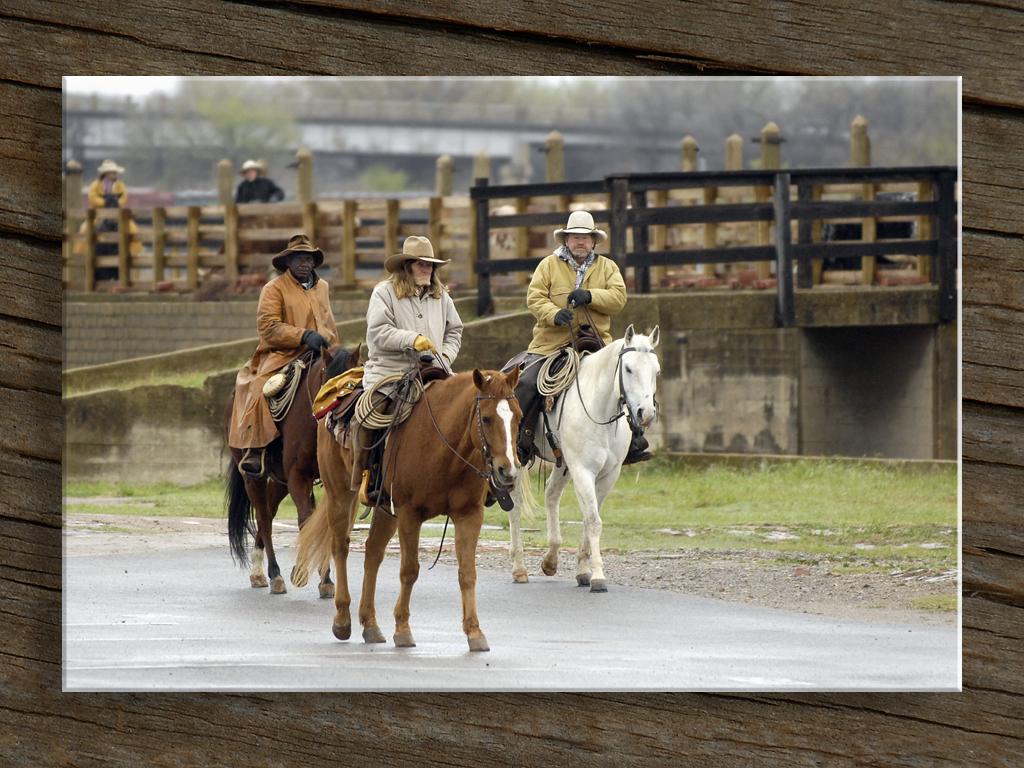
285	311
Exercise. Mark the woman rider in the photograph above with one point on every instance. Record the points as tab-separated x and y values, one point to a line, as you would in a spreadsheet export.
409	314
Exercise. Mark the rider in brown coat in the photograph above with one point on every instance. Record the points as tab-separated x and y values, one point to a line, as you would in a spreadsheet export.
294	315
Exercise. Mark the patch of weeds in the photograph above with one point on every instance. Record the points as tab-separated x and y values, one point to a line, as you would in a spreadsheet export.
941	603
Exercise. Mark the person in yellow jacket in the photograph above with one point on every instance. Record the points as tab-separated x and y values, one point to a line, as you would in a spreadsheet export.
108	184
293	315
571	287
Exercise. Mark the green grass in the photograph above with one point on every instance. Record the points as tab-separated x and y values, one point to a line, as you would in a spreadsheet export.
944	603
182	380
871	515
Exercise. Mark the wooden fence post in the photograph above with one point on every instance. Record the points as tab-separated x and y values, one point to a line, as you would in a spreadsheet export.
348	243
925	190
860	156
641	243
124	244
522	241
309	221
770	160
481	234
304	176
225	182
391	230
90	250
946	256
618	219
192	274
159	243
554	162
443	184
72	200
786	308
230	241
481	165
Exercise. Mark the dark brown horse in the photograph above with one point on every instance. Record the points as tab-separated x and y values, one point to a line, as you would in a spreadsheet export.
457	439
293	470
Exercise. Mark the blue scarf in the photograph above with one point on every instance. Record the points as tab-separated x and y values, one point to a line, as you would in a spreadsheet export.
566	255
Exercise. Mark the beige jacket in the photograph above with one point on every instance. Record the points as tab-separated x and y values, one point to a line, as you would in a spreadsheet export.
285	311
549	291
392	325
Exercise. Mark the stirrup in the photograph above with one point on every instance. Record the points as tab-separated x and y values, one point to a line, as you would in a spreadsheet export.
253	464
363	498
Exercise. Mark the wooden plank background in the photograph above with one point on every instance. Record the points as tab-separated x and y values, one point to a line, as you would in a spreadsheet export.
983	725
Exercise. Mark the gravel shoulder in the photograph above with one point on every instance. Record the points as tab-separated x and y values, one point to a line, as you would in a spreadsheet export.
850	591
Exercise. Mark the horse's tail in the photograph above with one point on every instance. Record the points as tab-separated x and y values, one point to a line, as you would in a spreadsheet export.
240	514
527	501
314	547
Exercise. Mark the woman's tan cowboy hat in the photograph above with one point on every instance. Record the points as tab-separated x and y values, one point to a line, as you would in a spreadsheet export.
250	165
298	244
109	166
415	248
580	223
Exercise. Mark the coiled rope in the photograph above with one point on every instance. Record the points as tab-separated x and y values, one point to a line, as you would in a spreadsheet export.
281	402
550	384
367	410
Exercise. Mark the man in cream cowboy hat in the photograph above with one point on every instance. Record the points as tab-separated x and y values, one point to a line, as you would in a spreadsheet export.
571	287
257	188
106	184
293	316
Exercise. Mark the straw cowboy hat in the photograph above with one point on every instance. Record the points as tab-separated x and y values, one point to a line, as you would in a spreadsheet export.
109	166
298	244
250	165
415	248
580	223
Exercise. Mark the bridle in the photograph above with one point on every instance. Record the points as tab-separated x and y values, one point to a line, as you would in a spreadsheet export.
627	411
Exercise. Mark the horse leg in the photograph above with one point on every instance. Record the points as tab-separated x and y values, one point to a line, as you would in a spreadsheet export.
515	549
552	495
260	493
409	539
589	567
382	528
340	517
275	493
300	488
467	534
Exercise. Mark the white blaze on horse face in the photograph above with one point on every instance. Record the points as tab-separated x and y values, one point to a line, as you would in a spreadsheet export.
505	412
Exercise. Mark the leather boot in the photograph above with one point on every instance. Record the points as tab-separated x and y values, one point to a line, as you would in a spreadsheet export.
253	463
530	403
637	449
361	436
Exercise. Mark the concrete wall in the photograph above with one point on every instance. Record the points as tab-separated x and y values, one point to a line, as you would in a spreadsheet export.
732	383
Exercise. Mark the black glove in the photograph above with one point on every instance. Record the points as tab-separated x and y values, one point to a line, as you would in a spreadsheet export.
580	297
563	317
313	340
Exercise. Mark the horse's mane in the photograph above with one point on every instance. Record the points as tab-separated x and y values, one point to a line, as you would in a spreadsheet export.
340	363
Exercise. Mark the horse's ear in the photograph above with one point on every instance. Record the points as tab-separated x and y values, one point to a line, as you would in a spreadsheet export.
355	355
629	334
327	354
512	377
655	336
478	379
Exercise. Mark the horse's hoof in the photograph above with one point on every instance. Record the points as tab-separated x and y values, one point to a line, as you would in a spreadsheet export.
520	577
277	586
478	644
582	579
326	591
342	631
598	585
259	581
373	635
404	640
549	570
299	578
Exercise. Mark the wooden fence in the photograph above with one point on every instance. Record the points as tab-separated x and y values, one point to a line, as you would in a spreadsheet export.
173	247
740	217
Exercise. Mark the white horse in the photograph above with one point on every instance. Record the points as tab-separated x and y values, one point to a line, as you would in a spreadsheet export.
590	427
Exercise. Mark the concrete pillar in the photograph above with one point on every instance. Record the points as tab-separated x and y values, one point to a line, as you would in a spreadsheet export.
554	166
304	176
444	176
688	155
481	166
225	182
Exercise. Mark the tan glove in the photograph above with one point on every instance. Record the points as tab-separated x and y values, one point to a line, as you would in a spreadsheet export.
422	344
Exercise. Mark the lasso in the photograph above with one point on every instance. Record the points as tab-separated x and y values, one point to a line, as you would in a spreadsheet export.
367	411
280	402
550	384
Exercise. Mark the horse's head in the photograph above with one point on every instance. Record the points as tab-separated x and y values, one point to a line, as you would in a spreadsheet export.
337	360
638	375
498	416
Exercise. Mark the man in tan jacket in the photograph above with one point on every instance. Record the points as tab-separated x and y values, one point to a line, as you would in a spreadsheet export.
294	315
571	287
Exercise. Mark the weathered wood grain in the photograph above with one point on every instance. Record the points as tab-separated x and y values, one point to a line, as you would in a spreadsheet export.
982	726
978	40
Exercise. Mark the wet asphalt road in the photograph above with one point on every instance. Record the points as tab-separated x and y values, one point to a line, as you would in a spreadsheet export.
187	620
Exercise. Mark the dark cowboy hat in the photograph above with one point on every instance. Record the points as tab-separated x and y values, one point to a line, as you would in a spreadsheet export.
298	244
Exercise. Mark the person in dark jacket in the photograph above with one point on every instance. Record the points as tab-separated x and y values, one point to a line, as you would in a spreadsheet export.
256	188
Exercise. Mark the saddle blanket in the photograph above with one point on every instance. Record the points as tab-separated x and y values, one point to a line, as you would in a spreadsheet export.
332	393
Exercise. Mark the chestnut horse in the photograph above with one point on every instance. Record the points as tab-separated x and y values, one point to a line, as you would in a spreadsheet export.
293	470
457	439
